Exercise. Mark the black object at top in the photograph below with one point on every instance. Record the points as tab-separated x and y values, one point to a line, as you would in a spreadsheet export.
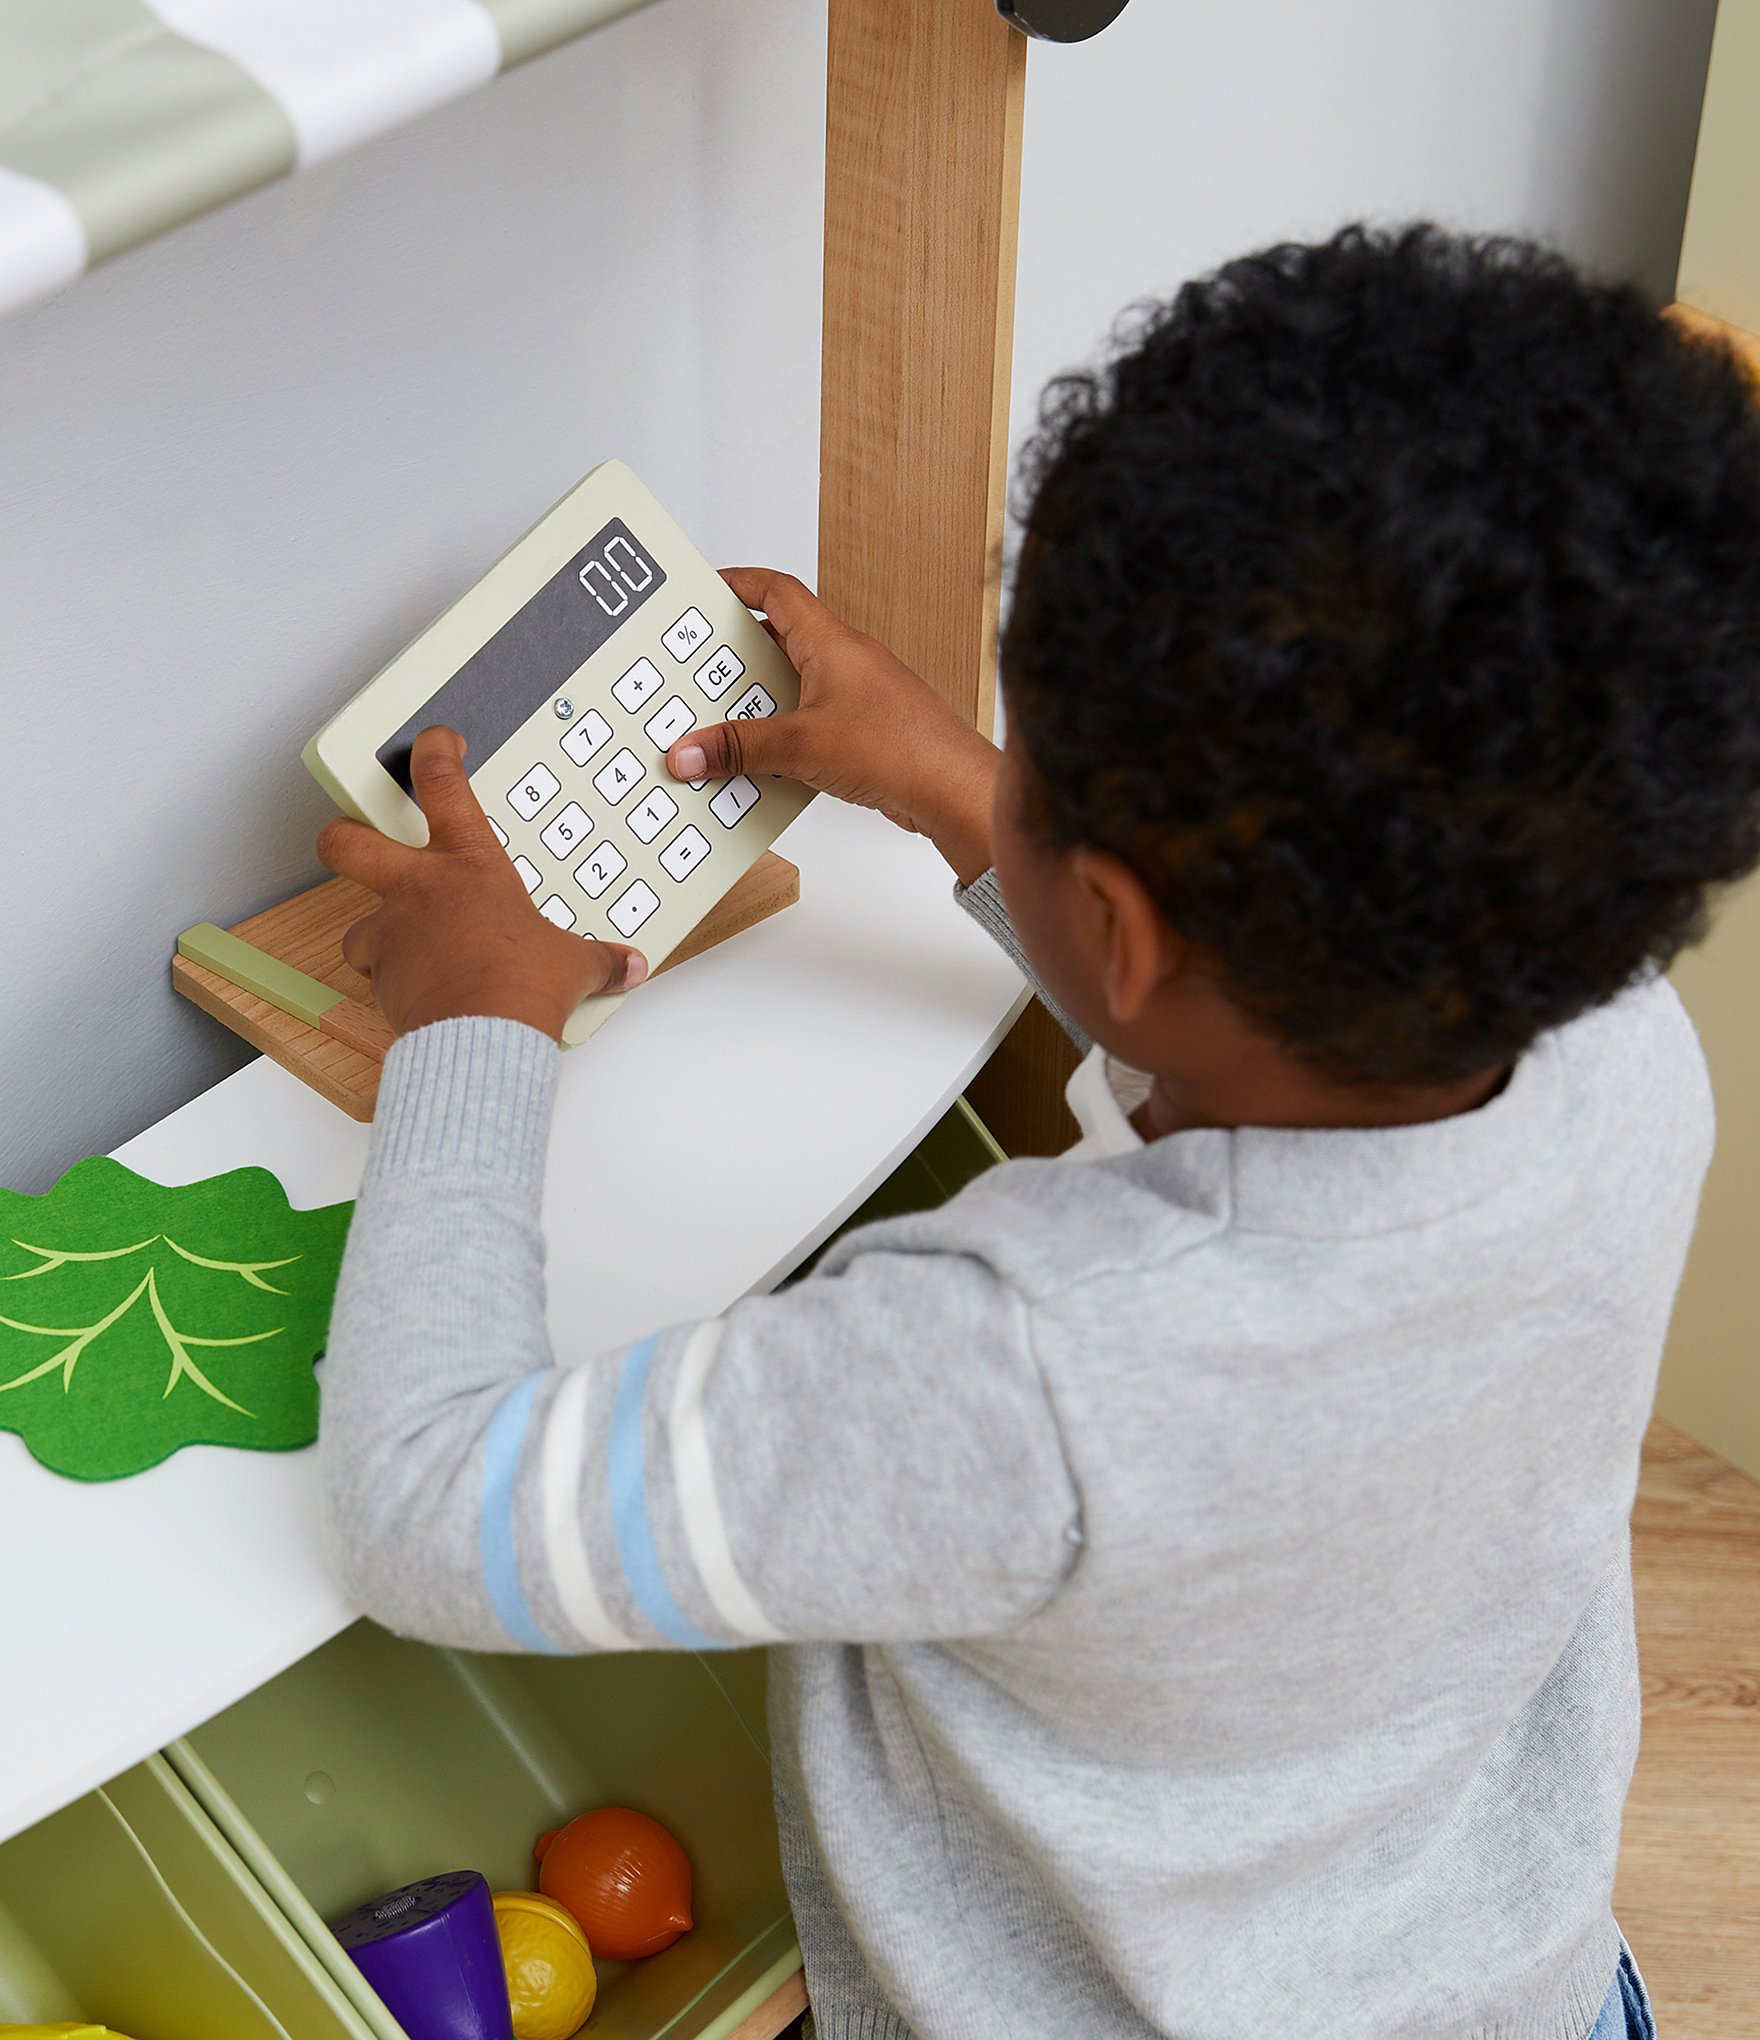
1061	20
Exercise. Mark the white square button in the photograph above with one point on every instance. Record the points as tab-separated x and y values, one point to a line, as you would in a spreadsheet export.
665	727
601	866
685	852
641	683
752	704
588	737
558	910
717	674
618	780
651	814
687	635
627	913
530	876
500	832
564	836
738	797
534	792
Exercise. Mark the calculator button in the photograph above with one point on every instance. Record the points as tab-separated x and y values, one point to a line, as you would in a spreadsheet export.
530	876
687	635
716	675
669	724
534	792
754	702
641	683
601	866
620	778
559	911
626	914
685	852
564	836
738	797
588	737
500	832
651	814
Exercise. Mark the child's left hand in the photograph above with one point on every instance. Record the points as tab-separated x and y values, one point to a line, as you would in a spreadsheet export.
455	933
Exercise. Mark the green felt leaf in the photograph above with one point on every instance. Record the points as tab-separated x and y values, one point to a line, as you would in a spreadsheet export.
135	1319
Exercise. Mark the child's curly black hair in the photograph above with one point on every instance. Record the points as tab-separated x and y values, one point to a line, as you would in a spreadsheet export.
1392	607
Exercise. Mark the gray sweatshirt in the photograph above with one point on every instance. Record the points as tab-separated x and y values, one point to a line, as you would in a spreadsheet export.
1199	1570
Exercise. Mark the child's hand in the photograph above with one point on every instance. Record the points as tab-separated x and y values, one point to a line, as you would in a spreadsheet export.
867	730
455	933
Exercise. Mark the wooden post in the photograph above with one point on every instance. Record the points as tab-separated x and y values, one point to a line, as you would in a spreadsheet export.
922	195
922	189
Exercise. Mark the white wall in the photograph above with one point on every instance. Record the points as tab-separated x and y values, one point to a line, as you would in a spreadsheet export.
240	466
1197	129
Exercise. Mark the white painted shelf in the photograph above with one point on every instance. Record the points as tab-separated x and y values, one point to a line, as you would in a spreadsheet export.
795	1066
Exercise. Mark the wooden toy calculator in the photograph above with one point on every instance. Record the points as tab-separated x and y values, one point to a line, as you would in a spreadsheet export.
570	669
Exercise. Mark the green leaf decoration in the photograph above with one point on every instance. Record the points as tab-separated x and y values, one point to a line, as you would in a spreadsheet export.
135	1319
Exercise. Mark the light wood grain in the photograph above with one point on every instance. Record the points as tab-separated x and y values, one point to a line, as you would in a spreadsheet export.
922	191
1019	1092
341	1059
778	2010
1688	1894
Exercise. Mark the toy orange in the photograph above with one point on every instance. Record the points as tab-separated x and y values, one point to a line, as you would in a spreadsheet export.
551	1983
622	1876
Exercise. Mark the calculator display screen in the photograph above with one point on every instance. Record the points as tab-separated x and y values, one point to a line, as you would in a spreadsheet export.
533	654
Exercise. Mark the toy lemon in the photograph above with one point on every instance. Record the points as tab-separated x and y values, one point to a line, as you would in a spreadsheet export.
68	2029
550	1977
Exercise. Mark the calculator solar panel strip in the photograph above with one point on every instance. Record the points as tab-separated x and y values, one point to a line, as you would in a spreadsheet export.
570	669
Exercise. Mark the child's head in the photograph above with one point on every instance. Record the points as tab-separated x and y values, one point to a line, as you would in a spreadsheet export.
1390	611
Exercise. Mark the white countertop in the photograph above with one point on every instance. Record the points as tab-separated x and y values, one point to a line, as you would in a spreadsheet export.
733	1114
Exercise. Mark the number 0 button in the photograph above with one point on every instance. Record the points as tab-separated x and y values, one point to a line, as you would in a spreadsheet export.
627	912
534	792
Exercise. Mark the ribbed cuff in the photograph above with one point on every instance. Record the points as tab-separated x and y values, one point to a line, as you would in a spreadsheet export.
983	902
859	2022
471	1096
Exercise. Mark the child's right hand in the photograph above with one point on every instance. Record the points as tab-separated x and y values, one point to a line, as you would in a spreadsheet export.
867	730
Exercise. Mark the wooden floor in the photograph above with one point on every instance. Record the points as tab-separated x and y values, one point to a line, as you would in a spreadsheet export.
1689	1885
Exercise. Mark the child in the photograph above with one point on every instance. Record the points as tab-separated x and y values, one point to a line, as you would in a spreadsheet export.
1199	1565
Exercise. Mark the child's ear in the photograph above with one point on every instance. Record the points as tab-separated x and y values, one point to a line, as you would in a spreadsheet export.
1135	949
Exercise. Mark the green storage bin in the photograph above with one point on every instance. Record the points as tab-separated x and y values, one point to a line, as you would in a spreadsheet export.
956	1149
376	1761
127	1907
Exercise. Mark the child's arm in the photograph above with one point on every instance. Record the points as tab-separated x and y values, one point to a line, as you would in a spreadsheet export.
868	1456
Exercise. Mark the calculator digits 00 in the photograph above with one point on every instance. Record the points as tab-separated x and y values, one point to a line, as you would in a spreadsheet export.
570	669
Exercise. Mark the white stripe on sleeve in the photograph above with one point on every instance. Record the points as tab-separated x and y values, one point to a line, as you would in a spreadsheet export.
345	70
693	1475
571	1572
42	243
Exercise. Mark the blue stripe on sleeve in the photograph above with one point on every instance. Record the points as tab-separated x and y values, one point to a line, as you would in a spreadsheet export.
628	1484
501	1450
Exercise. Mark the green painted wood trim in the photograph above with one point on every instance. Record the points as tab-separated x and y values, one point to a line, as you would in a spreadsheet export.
254	970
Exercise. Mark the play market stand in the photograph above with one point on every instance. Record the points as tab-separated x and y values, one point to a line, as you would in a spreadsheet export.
313	1762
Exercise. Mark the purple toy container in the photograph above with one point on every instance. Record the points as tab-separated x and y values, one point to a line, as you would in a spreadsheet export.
432	1953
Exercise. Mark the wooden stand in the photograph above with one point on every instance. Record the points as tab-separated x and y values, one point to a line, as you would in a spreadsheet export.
342	1062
